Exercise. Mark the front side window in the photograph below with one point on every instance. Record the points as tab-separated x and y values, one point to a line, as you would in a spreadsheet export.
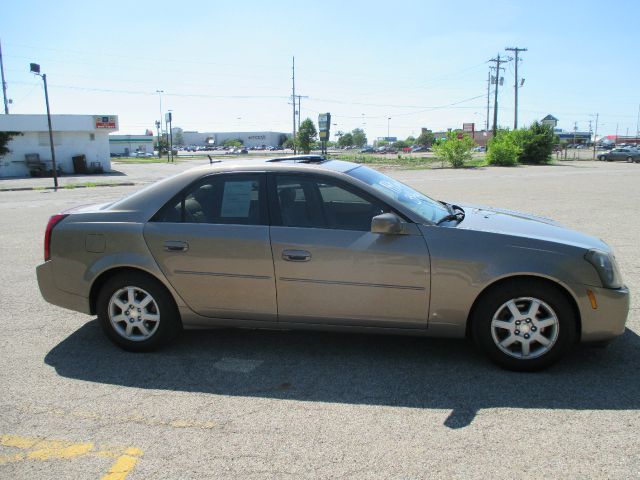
425	207
220	199
320	203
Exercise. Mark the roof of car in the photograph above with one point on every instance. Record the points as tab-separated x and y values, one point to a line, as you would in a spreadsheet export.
159	192
288	163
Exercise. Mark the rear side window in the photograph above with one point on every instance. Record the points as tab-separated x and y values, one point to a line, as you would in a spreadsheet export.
220	199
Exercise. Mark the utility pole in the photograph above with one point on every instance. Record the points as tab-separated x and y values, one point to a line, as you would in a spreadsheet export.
486	124
498	61
299	108
4	84
171	136
516	50
293	98
595	135
638	125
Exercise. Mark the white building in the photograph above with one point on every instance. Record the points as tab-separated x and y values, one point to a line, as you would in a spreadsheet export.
73	135
125	145
248	139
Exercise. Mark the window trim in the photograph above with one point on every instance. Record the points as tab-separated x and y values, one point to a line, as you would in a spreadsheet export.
182	194
274	207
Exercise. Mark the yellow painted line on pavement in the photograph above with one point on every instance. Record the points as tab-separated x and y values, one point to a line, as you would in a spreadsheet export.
122	467
39	449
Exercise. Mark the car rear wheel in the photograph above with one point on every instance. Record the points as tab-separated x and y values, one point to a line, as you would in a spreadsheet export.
137	313
629	159
524	326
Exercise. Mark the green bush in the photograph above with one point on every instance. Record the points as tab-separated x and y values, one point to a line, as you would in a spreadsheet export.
504	149
533	146
537	144
454	150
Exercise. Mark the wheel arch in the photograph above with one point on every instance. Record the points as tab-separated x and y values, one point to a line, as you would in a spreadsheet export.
104	277
527	278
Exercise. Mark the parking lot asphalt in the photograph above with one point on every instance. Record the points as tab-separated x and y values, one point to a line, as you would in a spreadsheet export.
257	404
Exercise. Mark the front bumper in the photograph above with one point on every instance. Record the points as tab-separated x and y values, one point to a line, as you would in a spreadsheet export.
54	295
608	320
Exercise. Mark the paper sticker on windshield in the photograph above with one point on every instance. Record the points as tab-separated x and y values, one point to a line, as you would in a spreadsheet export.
236	199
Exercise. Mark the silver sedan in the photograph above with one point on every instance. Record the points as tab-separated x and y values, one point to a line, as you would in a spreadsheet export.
309	243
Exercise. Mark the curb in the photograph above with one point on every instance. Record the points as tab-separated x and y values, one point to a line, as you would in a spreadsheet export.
69	186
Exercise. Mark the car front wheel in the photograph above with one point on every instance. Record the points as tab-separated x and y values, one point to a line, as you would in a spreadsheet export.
524	326
137	313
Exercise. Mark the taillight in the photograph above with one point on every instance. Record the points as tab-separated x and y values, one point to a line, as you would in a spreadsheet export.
53	221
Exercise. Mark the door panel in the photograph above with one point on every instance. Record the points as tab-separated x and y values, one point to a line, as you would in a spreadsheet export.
223	271
351	277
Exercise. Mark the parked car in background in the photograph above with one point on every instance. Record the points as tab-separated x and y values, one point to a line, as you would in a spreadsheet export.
309	243
367	150
420	148
628	154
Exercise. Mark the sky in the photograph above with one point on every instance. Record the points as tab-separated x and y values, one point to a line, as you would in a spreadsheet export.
387	67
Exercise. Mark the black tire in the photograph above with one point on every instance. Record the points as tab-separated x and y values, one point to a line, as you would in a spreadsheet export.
561	335
168	325
629	159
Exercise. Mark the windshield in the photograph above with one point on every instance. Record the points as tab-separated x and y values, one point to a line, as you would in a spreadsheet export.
425	207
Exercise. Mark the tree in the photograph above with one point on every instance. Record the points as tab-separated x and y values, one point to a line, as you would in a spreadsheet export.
359	137
178	138
306	135
410	140
5	138
288	143
533	145
400	144
454	150
345	140
425	139
381	143
504	149
232	142
537	144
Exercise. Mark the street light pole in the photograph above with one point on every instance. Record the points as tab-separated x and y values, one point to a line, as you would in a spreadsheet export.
158	128
388	122
35	68
160	92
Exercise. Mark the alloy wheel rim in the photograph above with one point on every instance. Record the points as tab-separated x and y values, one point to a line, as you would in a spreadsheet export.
134	313
525	328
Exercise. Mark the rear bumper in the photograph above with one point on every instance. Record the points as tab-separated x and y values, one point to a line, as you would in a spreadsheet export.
608	320
54	295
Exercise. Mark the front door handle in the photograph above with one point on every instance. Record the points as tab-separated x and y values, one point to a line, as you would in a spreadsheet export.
176	246
296	255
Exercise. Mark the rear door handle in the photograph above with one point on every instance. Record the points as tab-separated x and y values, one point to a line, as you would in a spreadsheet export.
176	246
296	255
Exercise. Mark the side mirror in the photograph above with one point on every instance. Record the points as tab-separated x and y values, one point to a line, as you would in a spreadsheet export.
387	223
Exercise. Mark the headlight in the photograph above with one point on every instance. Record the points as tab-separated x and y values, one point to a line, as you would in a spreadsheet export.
605	265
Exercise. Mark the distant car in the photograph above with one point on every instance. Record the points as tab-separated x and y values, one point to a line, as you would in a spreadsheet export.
480	149
309	243
367	150
420	148
628	154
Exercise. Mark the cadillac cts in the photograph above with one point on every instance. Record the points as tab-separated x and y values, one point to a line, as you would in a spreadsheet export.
305	242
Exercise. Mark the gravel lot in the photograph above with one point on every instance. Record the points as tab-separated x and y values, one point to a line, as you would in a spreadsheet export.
249	404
